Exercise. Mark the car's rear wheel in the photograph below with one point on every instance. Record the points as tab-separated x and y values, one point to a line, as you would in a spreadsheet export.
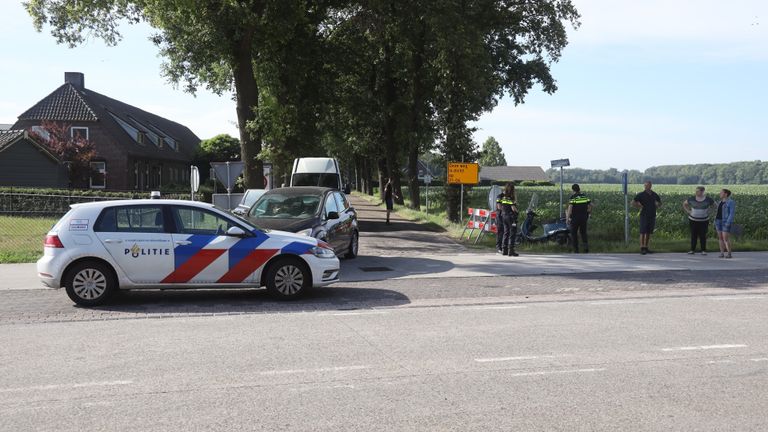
288	278
354	246
90	283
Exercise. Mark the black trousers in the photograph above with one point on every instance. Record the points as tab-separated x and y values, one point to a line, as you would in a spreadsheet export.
510	232
579	226
699	231
499	231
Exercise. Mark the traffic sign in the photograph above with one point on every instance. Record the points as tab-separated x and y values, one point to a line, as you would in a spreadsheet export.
560	163
427	179
463	173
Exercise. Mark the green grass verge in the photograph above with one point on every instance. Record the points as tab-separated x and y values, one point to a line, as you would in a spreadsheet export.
21	238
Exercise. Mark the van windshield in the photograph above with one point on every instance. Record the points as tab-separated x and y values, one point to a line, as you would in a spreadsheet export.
329	180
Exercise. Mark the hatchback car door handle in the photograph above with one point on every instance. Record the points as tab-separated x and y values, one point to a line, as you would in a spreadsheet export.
183	242
112	241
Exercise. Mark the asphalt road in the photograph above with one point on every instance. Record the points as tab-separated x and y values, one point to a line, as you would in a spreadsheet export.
664	351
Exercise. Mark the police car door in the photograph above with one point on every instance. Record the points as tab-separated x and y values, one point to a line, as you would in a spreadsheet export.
205	254
136	238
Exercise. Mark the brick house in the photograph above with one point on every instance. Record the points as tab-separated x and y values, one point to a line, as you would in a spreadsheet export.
135	150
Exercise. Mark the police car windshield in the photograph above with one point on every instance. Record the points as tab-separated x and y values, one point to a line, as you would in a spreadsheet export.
279	206
248	224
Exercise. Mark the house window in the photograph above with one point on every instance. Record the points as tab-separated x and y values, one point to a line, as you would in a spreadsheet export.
78	132
41	132
136	175
141	137
98	175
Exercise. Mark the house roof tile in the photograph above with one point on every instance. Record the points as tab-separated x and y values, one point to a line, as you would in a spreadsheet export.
66	103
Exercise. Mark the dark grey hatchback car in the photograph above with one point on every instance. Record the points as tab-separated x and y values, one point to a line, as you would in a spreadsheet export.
318	212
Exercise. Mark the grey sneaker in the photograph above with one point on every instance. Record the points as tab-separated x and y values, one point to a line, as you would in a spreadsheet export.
703	252
722	255
691	252
729	255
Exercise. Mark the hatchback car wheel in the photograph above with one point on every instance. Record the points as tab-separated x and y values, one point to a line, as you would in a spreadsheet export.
89	283
354	246
288	278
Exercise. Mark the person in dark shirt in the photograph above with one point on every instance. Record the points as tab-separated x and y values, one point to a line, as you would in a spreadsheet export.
577	215
699	210
389	195
508	203
499	225
648	202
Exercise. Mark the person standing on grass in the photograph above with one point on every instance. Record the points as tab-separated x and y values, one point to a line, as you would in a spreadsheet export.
726	214
508	203
577	215
648	202
699	208
389	196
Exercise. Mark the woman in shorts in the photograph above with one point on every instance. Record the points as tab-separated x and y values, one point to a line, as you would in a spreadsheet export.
726	212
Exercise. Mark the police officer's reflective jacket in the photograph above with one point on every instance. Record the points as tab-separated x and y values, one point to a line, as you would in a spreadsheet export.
506	203
579	206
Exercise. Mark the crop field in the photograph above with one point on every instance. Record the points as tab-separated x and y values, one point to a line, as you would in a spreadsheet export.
607	222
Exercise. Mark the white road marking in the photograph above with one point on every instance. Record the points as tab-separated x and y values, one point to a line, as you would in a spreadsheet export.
720	361
704	347
66	386
739	297
497	307
761	359
618	302
325	369
518	358
355	313
556	372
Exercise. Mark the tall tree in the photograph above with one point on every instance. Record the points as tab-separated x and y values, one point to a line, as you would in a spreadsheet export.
491	153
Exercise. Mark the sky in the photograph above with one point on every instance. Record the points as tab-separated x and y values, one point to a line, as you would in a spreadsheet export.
640	84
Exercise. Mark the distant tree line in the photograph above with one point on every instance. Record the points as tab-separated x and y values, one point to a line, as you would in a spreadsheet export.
752	172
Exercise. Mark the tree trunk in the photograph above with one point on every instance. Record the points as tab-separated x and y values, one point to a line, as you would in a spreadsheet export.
417	117
390	123
247	92
383	176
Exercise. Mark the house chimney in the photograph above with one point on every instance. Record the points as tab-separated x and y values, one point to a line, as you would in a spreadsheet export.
77	79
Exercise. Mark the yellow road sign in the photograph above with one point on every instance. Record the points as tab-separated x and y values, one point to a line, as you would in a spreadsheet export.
463	173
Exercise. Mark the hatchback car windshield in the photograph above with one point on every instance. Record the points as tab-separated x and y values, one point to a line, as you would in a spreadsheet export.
278	206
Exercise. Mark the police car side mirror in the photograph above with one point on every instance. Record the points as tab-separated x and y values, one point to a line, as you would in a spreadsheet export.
235	232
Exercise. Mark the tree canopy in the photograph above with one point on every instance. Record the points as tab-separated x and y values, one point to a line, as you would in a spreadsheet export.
491	154
749	172
374	83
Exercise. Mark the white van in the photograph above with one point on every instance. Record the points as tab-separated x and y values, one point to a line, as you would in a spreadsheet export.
322	172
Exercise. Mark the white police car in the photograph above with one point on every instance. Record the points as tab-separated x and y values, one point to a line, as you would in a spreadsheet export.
97	248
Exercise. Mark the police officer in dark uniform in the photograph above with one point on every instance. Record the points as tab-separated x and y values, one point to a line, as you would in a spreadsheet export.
579	209
507	201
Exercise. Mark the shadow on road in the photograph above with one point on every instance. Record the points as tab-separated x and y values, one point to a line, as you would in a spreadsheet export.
335	298
369	268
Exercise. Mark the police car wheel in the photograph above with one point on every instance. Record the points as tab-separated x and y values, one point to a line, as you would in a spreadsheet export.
89	283
288	278
354	246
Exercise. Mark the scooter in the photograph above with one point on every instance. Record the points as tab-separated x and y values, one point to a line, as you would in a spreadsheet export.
550	231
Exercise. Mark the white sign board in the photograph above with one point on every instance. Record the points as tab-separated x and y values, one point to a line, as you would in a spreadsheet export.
194	178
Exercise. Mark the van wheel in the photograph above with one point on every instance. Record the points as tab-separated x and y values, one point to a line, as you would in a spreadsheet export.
288	278
354	246
90	283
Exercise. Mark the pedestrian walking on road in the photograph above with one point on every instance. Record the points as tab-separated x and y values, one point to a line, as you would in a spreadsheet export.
726	214
577	215
508	203
648	202
699	209
389	196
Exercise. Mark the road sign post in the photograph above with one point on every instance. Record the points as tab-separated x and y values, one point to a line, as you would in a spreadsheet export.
427	181
462	173
624	188
194	180
561	163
